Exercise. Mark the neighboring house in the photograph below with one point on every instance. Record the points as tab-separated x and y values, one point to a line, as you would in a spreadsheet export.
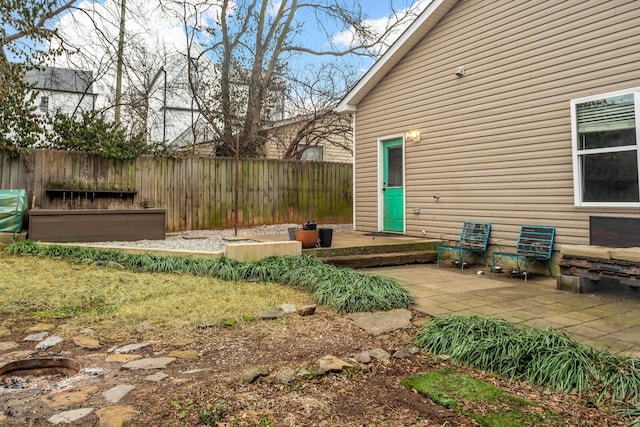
173	111
174	115
519	112
62	90
323	137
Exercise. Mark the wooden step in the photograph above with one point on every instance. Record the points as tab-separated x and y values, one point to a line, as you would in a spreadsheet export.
381	259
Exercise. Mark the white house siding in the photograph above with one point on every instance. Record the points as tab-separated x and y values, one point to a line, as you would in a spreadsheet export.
496	143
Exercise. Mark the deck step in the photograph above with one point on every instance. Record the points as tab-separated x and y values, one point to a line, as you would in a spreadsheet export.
396	247
380	259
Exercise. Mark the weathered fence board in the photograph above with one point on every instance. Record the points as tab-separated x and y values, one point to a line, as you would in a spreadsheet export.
197	192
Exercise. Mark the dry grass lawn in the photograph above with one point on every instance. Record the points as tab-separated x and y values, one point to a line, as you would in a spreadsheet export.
118	301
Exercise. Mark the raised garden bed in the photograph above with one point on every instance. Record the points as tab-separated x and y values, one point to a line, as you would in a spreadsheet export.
96	225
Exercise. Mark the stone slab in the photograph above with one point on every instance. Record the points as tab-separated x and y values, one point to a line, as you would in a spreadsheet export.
587	251
568	283
115	416
70	416
131	347
150	363
115	394
626	254
380	322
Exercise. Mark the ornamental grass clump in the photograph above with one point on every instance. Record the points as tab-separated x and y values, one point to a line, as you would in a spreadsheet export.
546	357
344	290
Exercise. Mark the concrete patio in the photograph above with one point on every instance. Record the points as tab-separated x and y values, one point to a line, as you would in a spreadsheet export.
604	321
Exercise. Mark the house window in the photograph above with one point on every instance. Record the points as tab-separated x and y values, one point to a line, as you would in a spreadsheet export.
313	153
605	149
44	103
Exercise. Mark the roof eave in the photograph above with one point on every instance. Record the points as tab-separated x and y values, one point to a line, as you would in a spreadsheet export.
416	31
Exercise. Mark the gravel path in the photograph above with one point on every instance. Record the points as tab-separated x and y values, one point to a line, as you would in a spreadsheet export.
209	240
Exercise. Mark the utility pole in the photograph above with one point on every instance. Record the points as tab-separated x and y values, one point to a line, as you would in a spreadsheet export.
123	6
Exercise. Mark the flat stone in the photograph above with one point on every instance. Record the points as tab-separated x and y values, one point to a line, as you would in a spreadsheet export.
86	331
149	363
36	337
380	322
332	364
70	416
68	397
115	394
287	308
86	342
115	416
403	353
183	342
42	327
8	345
185	354
286	376
379	354
307	310
48	342
254	373
4	332
131	347
158	376
121	358
271	315
362	357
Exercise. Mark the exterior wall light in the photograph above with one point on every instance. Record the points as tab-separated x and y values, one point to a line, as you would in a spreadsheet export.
460	71
412	136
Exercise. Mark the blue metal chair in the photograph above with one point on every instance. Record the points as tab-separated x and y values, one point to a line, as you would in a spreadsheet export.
473	238
535	244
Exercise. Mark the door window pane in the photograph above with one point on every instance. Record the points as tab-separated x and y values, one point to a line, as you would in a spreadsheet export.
394	166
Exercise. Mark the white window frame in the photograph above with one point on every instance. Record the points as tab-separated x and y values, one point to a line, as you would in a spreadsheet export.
576	153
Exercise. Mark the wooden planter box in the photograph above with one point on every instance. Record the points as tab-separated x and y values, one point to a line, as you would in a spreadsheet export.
96	225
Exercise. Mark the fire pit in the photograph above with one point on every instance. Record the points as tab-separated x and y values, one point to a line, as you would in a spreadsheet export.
36	373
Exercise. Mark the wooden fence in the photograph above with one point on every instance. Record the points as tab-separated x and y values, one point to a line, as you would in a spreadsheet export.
197	193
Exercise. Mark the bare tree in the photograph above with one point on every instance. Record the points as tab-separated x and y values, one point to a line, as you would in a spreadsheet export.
251	42
27	25
312	121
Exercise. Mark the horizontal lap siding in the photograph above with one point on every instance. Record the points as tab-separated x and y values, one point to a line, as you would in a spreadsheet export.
496	143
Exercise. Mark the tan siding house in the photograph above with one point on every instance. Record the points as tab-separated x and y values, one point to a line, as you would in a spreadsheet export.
325	140
489	86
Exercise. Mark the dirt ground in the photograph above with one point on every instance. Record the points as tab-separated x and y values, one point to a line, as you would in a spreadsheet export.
210	390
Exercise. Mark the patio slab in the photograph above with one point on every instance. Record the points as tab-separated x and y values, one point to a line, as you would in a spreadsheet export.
604	321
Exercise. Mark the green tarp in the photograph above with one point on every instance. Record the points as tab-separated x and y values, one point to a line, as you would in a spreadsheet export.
13	205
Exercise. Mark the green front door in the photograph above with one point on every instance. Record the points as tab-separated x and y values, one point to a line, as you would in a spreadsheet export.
393	185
